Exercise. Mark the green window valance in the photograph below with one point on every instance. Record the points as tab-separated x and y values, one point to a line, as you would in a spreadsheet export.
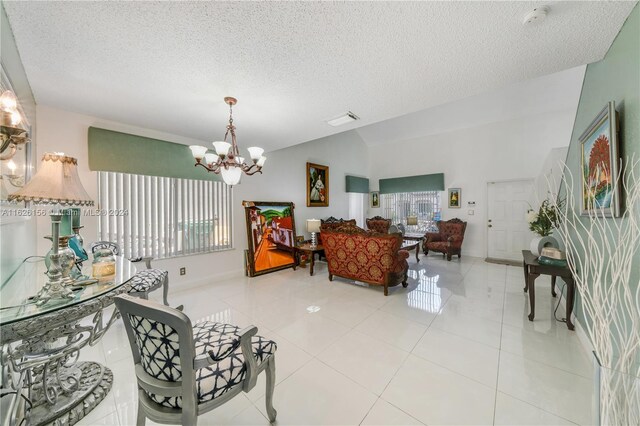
357	184
432	182
111	151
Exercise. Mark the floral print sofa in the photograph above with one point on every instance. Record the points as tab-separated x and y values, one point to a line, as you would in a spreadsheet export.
370	257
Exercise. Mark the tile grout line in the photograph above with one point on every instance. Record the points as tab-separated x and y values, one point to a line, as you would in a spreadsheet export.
504	302
539	408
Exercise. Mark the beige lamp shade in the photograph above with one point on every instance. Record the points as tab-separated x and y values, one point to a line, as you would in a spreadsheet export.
313	225
57	182
412	220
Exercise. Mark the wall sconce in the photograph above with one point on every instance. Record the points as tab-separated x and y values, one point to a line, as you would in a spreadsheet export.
10	118
14	179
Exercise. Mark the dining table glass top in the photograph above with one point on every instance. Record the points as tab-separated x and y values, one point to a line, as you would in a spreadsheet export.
16	292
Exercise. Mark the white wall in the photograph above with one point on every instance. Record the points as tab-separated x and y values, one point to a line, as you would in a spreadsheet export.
469	158
283	179
548	181
284	176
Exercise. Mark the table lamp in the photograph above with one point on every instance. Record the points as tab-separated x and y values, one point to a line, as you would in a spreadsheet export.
56	183
412	220
313	226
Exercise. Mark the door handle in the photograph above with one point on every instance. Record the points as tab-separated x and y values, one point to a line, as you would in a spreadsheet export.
490	226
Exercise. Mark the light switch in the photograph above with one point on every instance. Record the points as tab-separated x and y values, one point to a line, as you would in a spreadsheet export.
470	212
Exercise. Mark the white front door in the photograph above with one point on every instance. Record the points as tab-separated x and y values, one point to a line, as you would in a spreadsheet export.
508	230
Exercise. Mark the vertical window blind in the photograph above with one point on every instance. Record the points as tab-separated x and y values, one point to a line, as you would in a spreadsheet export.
164	217
425	205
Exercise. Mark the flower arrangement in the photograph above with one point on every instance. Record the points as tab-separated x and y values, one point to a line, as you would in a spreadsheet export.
544	220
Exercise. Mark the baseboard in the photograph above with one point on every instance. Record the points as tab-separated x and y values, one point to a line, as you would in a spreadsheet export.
580	332
208	279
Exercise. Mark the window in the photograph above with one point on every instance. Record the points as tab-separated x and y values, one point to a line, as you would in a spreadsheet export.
356	207
164	217
425	205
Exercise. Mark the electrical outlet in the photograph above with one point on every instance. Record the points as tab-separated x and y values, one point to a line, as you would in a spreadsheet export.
183	271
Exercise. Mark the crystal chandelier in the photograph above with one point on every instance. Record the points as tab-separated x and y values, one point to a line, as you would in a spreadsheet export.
227	160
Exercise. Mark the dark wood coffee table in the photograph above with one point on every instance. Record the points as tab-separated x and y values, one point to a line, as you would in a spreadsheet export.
409	245
413	236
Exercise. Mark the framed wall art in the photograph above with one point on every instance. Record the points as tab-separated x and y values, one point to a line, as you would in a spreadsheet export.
454	198
271	234
375	199
317	185
599	163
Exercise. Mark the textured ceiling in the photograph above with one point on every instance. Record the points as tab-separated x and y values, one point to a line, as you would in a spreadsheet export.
292	65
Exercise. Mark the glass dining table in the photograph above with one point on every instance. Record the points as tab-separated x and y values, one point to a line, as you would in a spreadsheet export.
41	344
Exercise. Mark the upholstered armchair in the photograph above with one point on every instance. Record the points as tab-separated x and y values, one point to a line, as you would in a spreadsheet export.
448	239
184	370
379	224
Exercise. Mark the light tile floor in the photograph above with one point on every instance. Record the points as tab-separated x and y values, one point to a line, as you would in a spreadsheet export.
455	347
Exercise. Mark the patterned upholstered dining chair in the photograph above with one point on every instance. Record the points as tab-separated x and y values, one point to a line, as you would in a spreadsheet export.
145	281
185	370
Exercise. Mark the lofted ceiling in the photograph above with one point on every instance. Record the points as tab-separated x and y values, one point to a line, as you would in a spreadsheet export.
292	65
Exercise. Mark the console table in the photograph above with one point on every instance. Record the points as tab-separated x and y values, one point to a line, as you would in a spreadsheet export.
41	344
532	270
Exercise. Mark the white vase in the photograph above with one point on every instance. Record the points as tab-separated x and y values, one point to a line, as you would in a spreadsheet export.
538	243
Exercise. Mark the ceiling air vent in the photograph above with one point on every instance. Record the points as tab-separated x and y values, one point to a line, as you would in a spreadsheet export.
348	117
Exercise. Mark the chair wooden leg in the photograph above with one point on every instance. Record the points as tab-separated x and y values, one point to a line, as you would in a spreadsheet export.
189	418
165	291
141	417
271	383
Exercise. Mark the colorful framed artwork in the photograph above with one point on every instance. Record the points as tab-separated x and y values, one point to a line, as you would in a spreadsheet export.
454	198
599	164
317	185
271	234
375	199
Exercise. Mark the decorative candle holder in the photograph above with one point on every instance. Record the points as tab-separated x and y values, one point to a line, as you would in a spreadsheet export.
66	257
58	263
